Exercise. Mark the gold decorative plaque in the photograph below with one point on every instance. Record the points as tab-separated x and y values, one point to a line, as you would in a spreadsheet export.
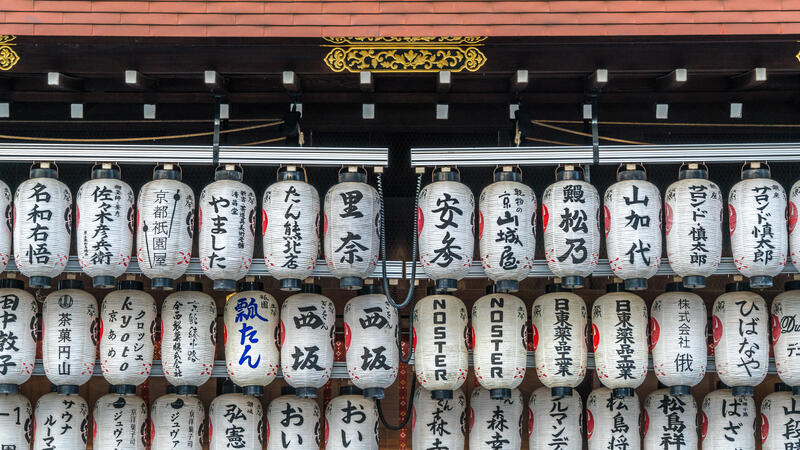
405	54
8	57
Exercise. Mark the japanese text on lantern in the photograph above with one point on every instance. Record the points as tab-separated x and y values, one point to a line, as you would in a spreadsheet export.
348	251
8	340
634	221
308	318
373	358
625	364
352	414
291	229
38	251
247	309
573	224
130	325
447	209
510	220
762	230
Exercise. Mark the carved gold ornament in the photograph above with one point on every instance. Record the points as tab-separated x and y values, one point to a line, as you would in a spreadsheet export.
8	57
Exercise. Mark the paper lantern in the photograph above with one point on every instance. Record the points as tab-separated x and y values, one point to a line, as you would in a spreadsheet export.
438	423
371	332
678	338
188	336
120	421
728	421
439	341
352	214
778	427
571	223
17	333
670	421
741	338
16	421
633	227
176	423
554	421
105	235
351	421
42	226
62	421
791	219
559	339
307	328
165	227
290	228
785	334
293	422
495	423
235	421
251	353
6	212
757	221
499	347
507	230
619	335
612	422
70	330
445	223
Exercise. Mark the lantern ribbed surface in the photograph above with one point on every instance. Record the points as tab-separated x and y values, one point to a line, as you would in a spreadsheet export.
670	421
678	338
794	232
307	329
127	327
559	339
438	423
495	424
7	213
16	421
613	423
18	333
499	334
293	422
70	329
554	421
351	423
370	339
251	322
741	338
778	426
120	422
188	337
785	334
177	423
62	422
728	421
440	350
235	421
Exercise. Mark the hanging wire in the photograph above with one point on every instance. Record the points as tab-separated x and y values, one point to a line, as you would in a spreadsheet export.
408	408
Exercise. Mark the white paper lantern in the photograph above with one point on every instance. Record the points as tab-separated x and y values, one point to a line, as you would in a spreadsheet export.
105	235
307	328
438	423
495	423
559	339
17	332
371	332
678	338
6	212
619	334
757	221
188	336
42	226
571	223
293	422
670	421
235	421
351	421
499	347
252	356
176	423
612	422
507	230
446	226
16	421
127	334
741	338
778	426
728	421
554	421
791	213
633	227
120	422
70	330
165	227
440	349
62	422
290	228
352	214
785	334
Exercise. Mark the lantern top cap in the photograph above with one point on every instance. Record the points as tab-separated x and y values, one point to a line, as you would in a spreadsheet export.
788	286
555	287
782	387
721	385
288	390
134	285
693	171
433	290
292	173
193	286
615	287
370	289
446	174
737	286
11	283
68	389
569	172
44	170
753	170
106	171
631	172
677	286
229	387
122	389
311	288
186	390
167	172
70	284
229	172
350	390
352	174
250	286
507	173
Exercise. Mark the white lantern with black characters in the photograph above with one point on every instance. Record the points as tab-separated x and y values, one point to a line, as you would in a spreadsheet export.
351	421
559	320
105	235
177	423
785	334
120	420
554	421
352	212
438	423
6	213
252	357
728	421
446	227
571	224
778	426
16	421
290	228
42	225
507	229
18	329
633	227
61	421
165	226
791	219
495	423
612	422
293	422
670	421
235	421
757	224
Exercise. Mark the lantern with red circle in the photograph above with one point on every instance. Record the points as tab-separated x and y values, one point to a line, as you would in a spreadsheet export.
669	419
554	420
20	308
728	421
293	422
61	421
785	333
777	423
16	420
448	415
177	422
235	421
611	419
495	423
351	421
120	420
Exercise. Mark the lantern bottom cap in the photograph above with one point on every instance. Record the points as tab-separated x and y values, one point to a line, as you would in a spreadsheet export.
40	282
225	285
9	389
742	391
305	392
760	282
254	390
680	390
694	282
622	392
561	391
186	390
636	284
68	389
447	284
795	390
162	283
441	394
103	282
506	286
351	283
499	394
290	284
572	282
377	393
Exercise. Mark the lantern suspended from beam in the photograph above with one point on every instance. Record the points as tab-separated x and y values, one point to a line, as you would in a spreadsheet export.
778	427
670	421
612	422
7	213
165	226
61	421
293	422
446	222
16	421
757	221
554	421
571	223
633	227
18	355
176	423
42	225
438	423
120	420
791	219
351	421
728	421
786	334
235	421
495	423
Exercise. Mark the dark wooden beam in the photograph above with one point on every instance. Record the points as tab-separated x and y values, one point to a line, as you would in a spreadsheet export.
597	80
137	80
58	80
519	81
750	79
672	80
443	81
